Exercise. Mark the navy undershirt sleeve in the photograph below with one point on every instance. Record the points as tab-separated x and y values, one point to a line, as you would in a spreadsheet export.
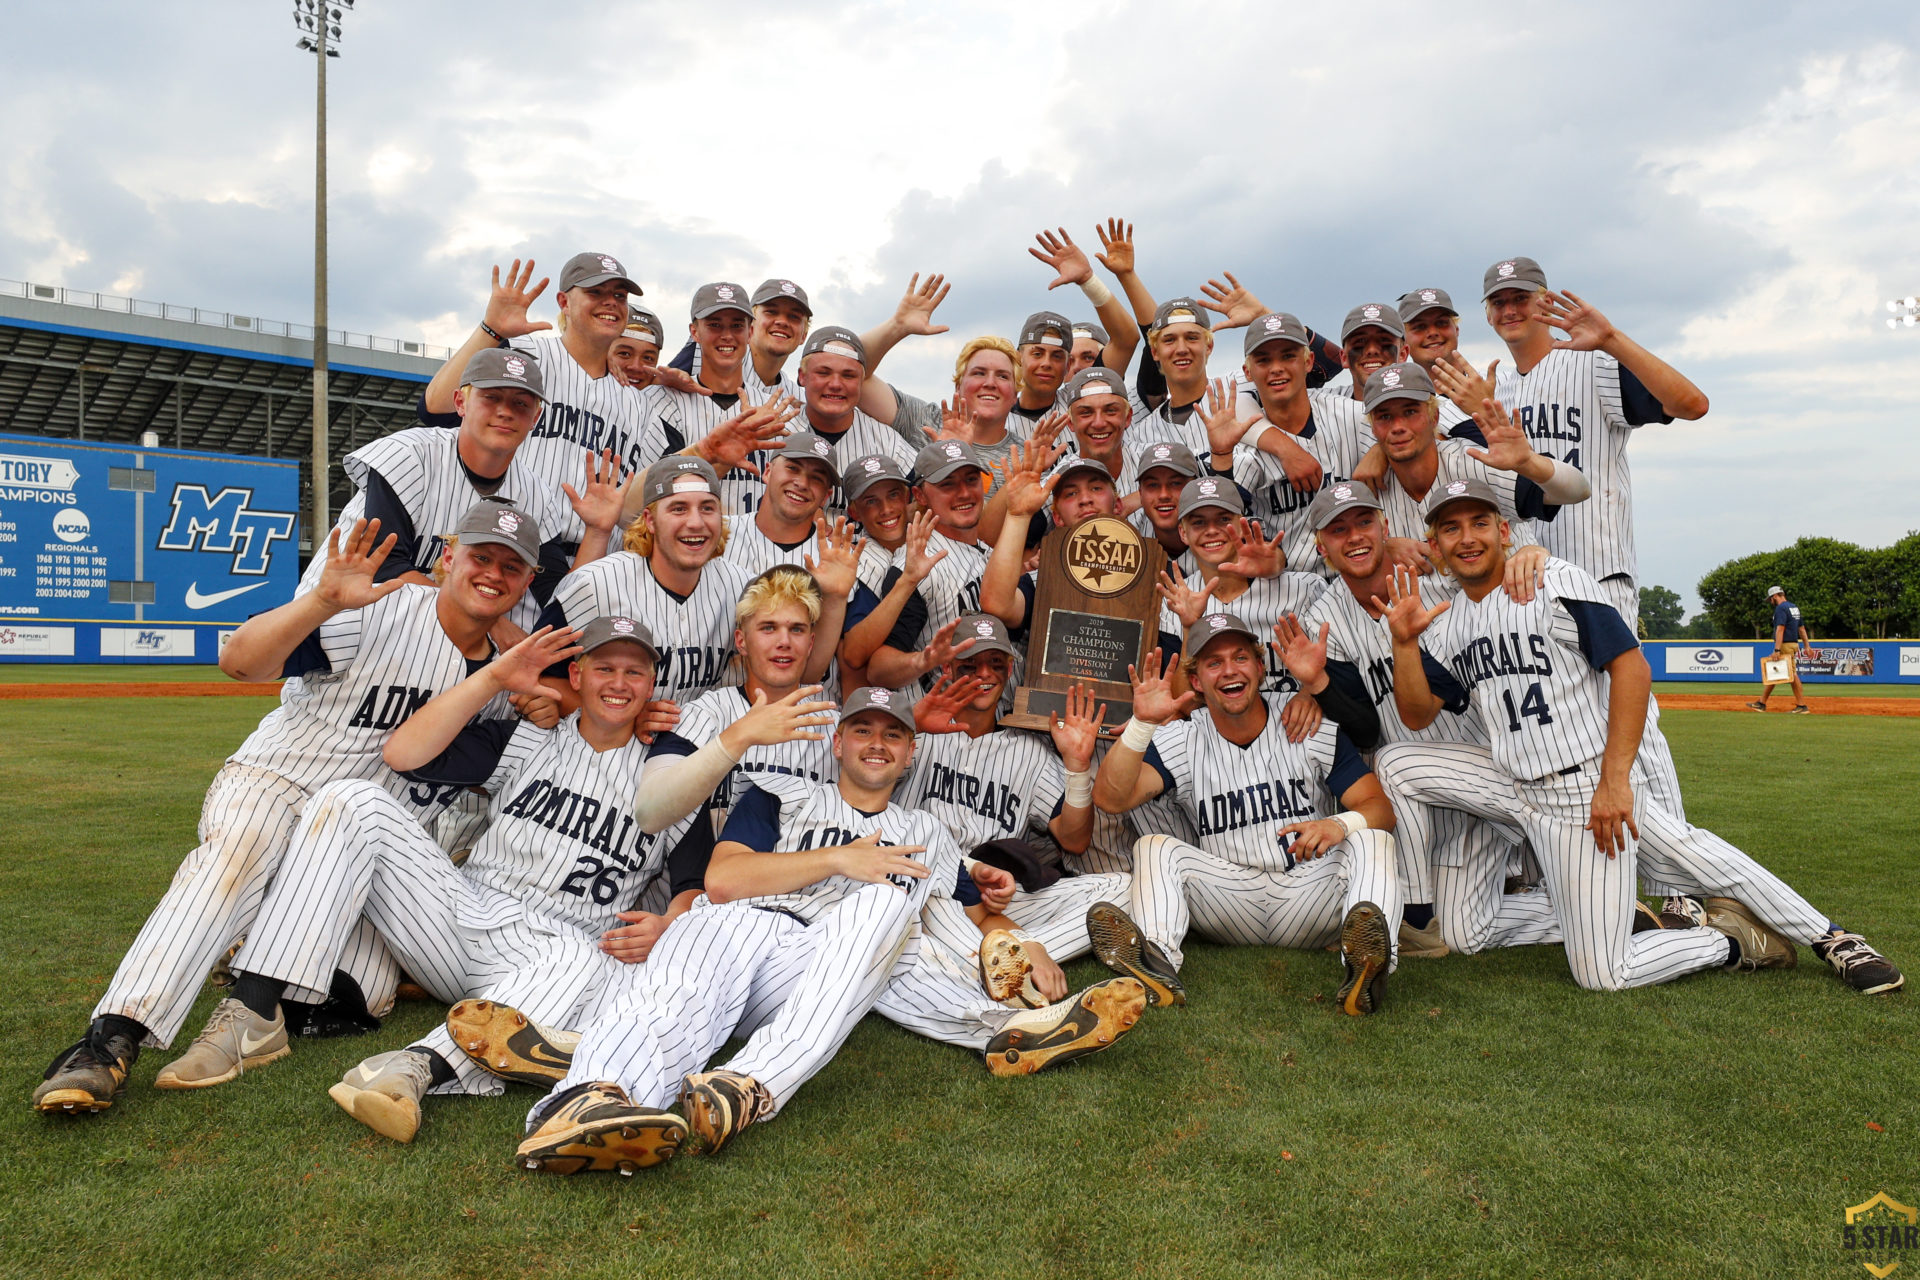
687	861
1637	404
683	358
1344	701
1452	694
754	822
1348	767
308	656
1153	761
470	758
905	635
1603	634
862	603
965	891
383	504
672	744
427	418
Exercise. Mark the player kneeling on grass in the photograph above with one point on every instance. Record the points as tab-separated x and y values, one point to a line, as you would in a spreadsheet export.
1271	869
1562	687
358	656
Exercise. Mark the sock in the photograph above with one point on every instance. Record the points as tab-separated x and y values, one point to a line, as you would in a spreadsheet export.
442	1069
260	994
112	1024
1418	914
1733	951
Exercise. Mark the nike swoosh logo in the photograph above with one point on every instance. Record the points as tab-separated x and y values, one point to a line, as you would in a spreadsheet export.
248	1044
197	601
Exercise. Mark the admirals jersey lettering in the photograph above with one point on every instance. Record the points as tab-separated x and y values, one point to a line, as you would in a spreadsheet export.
712	713
695	634
1360	649
998	786
584	414
1239	797
782	814
1532	671
1582	407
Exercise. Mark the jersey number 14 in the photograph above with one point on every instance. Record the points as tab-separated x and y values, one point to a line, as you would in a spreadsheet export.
1532	703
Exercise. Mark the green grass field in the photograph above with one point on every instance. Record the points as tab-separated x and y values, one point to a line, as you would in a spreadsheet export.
1492	1120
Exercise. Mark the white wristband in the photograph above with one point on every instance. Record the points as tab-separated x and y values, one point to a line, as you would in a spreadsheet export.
1097	293
1079	789
1138	736
1254	432
1351	821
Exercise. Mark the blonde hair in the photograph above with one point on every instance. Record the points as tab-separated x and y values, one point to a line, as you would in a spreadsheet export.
781	585
986	342
639	537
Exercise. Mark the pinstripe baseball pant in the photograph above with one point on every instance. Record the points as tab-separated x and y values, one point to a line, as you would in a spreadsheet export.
246	823
1056	916
1177	886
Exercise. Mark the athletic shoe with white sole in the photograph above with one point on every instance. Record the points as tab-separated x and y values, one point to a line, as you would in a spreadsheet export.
86	1078
1756	706
504	1042
596	1127
717	1106
1119	945
385	1091
1089	1022
1682	911
1006	973
1423	944
1859	965
1365	953
235	1040
1760	946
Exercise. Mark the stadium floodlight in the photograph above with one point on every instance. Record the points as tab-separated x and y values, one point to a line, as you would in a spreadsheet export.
1906	312
318	22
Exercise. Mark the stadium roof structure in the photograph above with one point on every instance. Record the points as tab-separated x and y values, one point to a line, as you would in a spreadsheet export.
97	366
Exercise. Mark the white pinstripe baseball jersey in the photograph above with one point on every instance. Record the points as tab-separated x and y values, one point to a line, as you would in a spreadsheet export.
1239	797
1403	510
754	552
1260	606
1582	407
1357	637
875	560
695	635
382	664
1185	425
813	815
685	418
584	414
950	590
712	712
1337	436
1002	785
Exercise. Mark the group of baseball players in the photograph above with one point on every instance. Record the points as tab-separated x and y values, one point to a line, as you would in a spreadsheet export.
634	707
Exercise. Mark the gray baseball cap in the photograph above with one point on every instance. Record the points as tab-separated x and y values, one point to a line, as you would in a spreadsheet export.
1179	311
1170	454
722	295
1448	492
1275	326
1775	591
1377	314
588	269
679	473
1512	273
1090	329
986	632
497	520
1095	380
504	367
866	471
942	458
804	446
771	289
1211	491
1075	462
1211	627
835	341
1048	328
1398	382
873	698
1415	302
1342	495
641	318
610	627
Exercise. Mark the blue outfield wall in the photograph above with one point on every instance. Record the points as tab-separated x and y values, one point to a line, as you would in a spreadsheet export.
114	553
1738	661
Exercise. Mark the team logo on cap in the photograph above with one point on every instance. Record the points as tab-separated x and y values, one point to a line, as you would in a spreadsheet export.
1209	488
1391	378
516	367
724	293
872	466
1275	324
821	448
1428	295
880	697
608	264
985	630
1215	621
786	286
1341	492
507	522
1162	452
1456	487
1104	555
1504	270
623	625
951	448
1370	311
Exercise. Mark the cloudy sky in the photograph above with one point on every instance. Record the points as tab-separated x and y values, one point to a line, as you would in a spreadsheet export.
1733	184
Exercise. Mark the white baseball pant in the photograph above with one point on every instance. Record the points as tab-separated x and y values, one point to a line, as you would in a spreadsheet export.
1056	916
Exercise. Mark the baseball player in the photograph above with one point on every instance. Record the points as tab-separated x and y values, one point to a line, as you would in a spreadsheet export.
1561	686
1271	867
880	501
1118	335
1789	633
1371	338
1180	339
634	357
782	317
832	372
359	657
1042	354
799	479
1432	328
1163	471
1089	342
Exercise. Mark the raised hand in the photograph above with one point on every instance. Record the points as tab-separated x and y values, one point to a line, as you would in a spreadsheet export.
1058	251
1304	657
1507	448
1407	617
1460	382
1300	717
1585	327
1236	305
763	426
941	649
519	669
347	580
1076	736
794	718
1312	839
1224	428
938	709
507	303
600	506
870	862
1153	700
1047	431
1258	557
1186	603
914	315
1027	494
837	570
1116	245
919	562
663	375
956	419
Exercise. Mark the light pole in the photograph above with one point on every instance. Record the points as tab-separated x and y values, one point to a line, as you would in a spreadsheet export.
1906	312
319	24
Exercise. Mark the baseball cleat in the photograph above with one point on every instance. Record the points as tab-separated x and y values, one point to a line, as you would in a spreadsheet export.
235	1040
1423	944
86	1078
595	1127
1006	974
1760	946
1119	945
1859	965
1365	955
1645	919
1036	1039
1801	710
384	1092
1756	706
718	1105
504	1042
1682	911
